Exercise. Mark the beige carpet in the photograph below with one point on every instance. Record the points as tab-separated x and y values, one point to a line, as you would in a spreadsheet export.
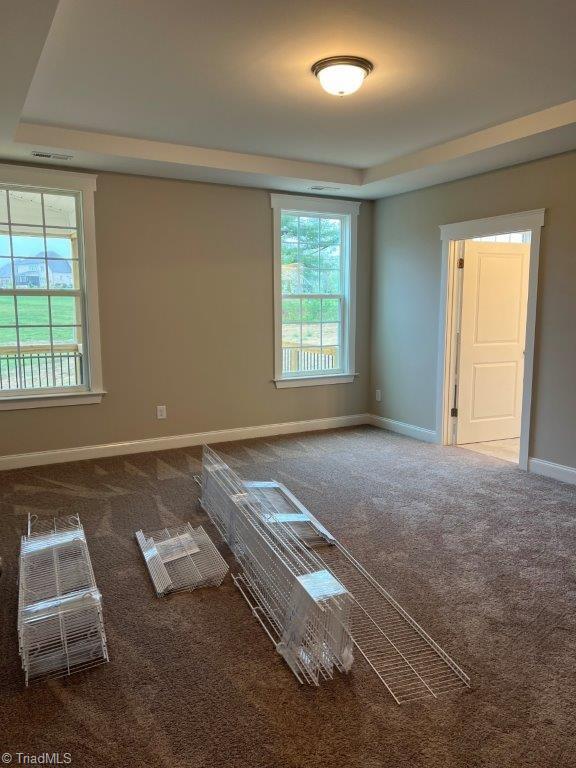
479	552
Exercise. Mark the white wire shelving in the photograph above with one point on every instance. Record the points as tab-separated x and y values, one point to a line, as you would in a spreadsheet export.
181	558
405	658
60	623
301	605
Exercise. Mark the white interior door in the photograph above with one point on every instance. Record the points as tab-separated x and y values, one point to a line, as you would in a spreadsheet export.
492	336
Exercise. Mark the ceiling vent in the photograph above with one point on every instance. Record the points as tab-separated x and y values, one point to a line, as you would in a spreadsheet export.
320	189
51	155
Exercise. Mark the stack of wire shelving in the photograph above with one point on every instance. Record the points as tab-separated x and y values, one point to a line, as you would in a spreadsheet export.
405	658
60	624
304	609
181	558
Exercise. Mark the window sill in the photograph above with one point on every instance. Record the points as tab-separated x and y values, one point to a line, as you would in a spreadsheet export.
19	402
315	381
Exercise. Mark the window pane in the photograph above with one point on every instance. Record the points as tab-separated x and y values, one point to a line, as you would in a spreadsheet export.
5	251
291	311
32	310
34	337
291	359
330	281
8	339
25	207
9	368
311	334
5	272
330	231
30	273
289	227
310	282
65	310
330	257
60	210
309	231
331	358
289	253
72	335
291	278
59	244
308	256
291	335
311	310
7	311
330	334
330	310
28	243
3	206
62	274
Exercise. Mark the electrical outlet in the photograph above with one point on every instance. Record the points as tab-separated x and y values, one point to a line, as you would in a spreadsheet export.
378	395
160	411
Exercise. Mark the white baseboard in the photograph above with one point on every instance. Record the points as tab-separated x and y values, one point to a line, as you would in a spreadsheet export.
419	433
550	469
177	441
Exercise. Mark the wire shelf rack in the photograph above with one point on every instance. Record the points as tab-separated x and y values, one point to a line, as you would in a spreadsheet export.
288	511
60	623
410	664
405	658
303	608
181	558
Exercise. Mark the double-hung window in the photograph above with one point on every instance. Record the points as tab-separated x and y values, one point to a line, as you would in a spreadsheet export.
49	343
315	279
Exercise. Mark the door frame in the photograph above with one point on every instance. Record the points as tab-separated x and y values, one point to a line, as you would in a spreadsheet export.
452	236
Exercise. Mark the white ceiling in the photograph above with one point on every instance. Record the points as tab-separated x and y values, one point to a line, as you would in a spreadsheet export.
148	87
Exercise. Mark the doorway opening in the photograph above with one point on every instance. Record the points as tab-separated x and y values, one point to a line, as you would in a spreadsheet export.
489	279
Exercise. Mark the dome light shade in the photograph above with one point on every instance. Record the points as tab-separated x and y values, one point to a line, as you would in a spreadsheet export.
342	75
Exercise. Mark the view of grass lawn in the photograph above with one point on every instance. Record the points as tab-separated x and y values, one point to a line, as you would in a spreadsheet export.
39	261
34	318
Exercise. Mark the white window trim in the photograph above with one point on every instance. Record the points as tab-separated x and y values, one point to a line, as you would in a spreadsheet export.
85	184
319	205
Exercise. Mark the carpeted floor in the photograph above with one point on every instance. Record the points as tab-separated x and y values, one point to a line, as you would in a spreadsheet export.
479	552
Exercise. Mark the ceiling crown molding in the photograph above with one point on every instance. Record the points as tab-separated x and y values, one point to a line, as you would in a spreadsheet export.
180	154
551	131
514	130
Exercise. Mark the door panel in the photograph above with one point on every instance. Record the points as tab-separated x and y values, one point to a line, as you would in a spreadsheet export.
499	299
494	390
492	332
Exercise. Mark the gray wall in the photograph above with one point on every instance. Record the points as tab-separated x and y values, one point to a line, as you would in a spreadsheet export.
186	300
406	295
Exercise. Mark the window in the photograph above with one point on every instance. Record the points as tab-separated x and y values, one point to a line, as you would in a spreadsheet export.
510	237
49	345
315	252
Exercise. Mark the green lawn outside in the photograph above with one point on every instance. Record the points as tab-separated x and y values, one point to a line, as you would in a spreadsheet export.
34	311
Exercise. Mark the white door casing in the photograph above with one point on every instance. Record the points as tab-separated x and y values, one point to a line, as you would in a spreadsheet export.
492	339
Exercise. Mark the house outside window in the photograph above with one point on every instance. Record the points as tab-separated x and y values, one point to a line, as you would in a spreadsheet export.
315	284
49	329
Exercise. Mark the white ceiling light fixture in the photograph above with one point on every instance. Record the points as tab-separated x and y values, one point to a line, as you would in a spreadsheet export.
342	75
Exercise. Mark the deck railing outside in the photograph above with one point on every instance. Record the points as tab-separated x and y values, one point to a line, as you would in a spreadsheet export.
308	360
36	368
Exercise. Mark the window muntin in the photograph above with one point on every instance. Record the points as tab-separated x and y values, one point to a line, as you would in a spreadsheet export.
314	255
42	318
